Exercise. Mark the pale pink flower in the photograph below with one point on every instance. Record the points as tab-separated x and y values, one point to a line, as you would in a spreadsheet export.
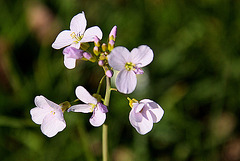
129	64
77	34
49	115
144	114
91	105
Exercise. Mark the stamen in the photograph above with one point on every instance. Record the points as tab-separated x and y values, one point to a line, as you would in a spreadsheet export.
93	106
77	36
129	66
131	101
53	112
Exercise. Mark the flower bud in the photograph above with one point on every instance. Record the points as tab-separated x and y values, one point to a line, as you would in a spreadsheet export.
101	63
109	73
96	50
102	57
96	41
104	47
111	45
113	33
87	55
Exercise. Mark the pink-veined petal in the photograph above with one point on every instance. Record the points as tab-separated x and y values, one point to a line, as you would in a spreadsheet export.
118	57
63	39
85	96
78	23
38	114
84	108
98	117
90	34
69	63
126	81
51	125
142	56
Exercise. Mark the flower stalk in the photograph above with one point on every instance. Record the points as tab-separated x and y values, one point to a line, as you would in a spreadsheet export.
105	126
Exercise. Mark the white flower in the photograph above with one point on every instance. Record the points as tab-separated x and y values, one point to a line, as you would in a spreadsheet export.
91	105
77	33
49	115
129	64
144	114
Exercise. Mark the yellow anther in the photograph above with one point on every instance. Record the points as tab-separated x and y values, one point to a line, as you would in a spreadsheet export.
131	101
77	37
129	66
53	112
93	106
73	35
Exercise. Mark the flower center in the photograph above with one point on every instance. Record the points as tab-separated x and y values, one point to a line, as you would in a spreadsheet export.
53	112
77	36
93	106
129	66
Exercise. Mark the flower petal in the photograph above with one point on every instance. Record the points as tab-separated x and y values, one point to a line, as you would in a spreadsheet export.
102	107
78	23
69	63
38	114
63	39
126	81
72	52
84	108
142	56
118	57
51	125
40	101
156	111
90	34
52	104
98	117
85	96
135	117
144	126
138	107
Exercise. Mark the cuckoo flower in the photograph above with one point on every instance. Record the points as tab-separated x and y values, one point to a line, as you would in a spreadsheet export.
49	115
71	54
129	64
144	114
77	33
92	104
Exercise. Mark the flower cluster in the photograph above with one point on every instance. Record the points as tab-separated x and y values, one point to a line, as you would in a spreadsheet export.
129	64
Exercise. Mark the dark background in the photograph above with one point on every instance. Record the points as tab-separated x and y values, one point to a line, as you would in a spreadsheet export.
195	77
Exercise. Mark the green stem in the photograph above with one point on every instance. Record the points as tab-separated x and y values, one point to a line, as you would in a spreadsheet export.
100	84
105	126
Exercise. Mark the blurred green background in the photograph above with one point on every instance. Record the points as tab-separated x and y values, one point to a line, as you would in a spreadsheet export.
195	77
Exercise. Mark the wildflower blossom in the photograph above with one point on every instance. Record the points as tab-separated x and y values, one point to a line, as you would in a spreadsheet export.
77	33
144	114
129	64
49	115
92	104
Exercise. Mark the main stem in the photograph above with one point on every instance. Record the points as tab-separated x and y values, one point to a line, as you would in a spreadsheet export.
105	126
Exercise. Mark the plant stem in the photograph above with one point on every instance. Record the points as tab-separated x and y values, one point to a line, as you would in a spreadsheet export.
105	126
